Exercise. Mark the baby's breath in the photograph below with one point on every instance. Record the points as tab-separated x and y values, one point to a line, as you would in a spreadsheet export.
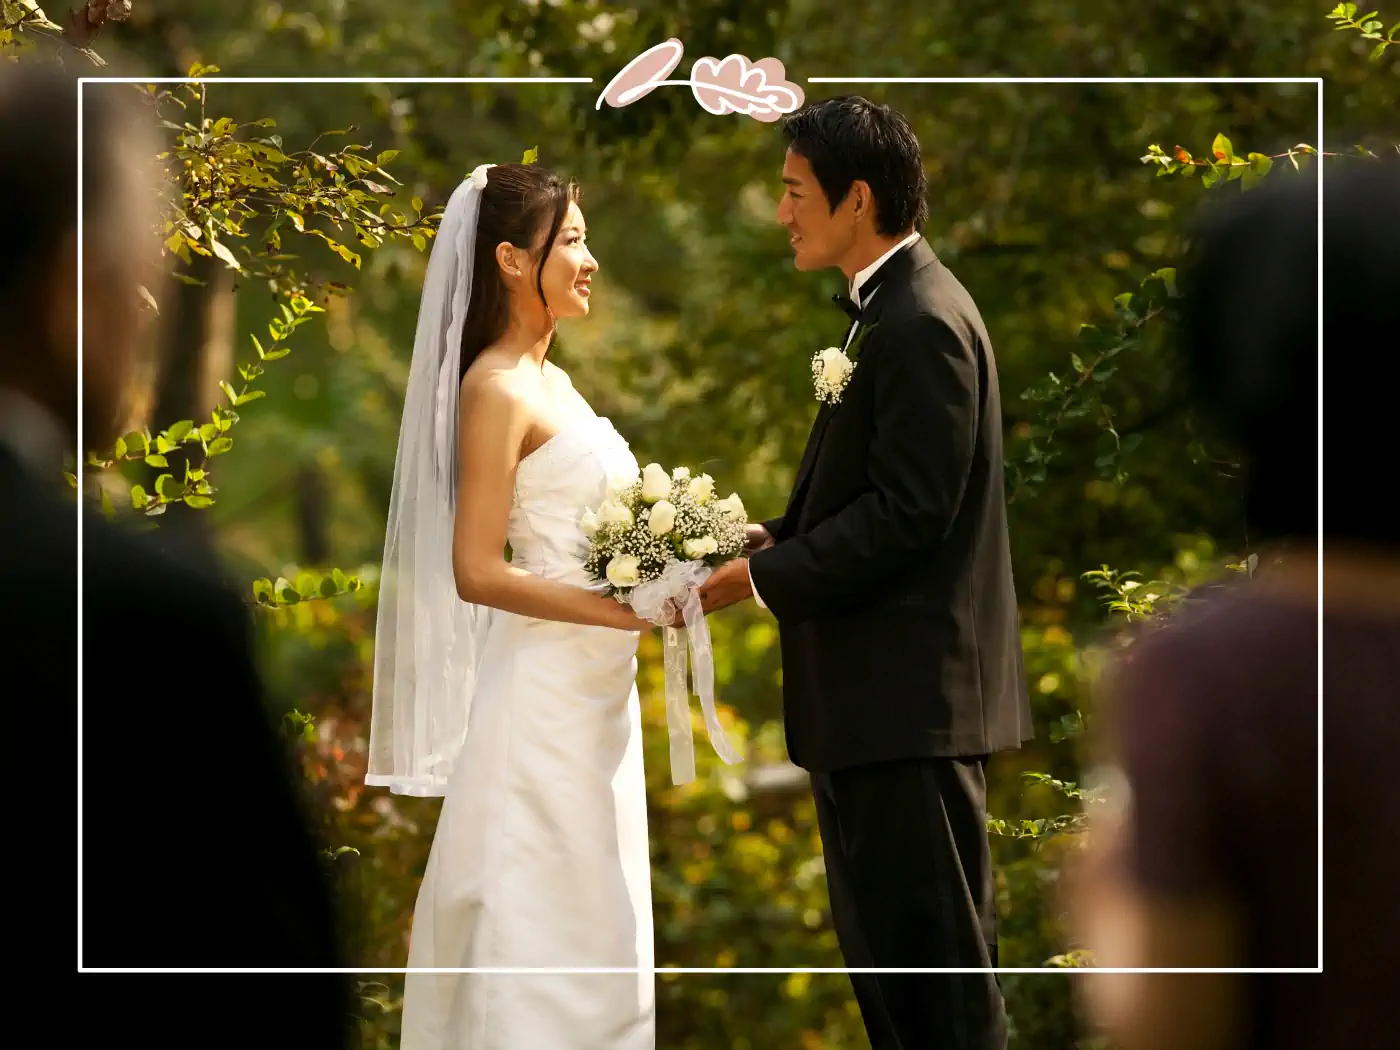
693	521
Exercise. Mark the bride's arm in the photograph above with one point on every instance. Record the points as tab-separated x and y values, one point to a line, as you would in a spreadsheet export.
494	425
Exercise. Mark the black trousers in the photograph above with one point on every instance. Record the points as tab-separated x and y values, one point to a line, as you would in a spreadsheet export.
909	872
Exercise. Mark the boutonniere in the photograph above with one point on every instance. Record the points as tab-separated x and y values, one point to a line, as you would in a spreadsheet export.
833	367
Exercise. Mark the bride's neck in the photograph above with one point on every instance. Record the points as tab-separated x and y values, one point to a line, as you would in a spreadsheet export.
530	336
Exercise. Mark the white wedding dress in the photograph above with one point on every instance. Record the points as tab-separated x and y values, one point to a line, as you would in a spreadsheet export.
541	855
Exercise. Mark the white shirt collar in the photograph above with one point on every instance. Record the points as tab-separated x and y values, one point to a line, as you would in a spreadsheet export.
864	275
32	433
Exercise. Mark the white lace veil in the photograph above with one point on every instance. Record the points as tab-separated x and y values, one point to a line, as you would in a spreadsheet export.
427	640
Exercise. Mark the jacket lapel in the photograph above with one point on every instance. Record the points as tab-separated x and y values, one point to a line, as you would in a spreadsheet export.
899	266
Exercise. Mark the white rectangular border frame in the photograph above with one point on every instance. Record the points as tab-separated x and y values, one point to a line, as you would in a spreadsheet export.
1320	147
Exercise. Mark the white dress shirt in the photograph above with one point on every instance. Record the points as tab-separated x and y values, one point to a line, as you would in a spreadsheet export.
857	282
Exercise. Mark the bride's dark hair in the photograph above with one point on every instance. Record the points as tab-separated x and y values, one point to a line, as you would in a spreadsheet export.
524	205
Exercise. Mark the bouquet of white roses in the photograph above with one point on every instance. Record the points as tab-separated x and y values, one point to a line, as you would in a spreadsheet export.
658	520
651	545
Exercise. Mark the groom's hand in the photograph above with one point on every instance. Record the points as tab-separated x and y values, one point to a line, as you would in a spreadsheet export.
727	585
756	538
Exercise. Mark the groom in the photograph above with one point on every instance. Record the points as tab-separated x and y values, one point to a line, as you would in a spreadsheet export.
890	576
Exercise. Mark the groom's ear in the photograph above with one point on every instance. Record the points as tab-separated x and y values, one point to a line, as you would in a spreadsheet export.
862	200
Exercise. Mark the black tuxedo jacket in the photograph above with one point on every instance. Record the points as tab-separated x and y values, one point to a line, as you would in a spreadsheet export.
196	847
890	576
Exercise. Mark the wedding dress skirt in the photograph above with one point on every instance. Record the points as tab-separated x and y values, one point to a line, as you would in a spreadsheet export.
541	855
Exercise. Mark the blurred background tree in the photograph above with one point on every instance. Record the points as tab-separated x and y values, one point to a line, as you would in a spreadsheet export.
1049	201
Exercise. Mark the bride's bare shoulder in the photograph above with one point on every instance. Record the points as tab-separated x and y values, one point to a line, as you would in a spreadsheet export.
555	374
491	385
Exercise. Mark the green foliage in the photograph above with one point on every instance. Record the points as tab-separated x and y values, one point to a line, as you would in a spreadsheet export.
1368	25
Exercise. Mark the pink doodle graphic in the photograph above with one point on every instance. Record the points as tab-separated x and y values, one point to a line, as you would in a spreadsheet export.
731	85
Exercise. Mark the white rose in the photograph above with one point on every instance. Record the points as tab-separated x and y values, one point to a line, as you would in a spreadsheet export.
733	507
696	549
589	524
611	513
662	518
836	366
656	484
624	571
702	489
680	474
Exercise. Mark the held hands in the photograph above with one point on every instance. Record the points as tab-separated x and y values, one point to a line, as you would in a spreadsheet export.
757	538
728	585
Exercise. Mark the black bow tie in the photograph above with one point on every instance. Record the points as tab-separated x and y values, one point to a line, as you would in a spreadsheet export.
852	310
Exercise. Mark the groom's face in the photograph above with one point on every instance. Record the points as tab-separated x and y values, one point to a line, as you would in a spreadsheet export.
819	239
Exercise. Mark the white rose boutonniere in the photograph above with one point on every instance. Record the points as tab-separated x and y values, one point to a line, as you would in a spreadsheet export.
832	368
831	372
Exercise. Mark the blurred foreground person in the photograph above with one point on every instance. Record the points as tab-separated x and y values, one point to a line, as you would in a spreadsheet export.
195	850
1212	860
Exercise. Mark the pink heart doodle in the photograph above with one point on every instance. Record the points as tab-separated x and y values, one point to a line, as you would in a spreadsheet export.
731	85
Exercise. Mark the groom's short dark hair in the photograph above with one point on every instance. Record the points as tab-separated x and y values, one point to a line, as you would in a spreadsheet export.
849	138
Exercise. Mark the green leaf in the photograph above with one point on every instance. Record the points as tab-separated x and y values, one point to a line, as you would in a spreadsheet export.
1131	441
1211	176
156	461
531	156
219	446
385	157
221	250
420	242
285	592
418	204
308	584
208	431
138	497
1078	363
340	579
251	395
228	390
262	591
1221	148
177	432
199	502
166	486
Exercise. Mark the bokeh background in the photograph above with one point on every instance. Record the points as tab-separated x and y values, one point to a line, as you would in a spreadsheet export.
1044	200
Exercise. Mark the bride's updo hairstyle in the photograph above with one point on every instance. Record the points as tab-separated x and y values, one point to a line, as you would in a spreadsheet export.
524	205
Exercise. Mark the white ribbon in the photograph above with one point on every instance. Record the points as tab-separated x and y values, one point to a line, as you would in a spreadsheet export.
656	601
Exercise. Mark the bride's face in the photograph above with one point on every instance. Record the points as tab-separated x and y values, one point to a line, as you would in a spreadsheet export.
569	268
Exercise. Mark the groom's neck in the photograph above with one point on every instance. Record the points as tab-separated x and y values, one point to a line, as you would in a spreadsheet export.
867	250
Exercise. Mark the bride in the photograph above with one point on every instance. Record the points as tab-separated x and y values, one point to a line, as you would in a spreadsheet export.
507	686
